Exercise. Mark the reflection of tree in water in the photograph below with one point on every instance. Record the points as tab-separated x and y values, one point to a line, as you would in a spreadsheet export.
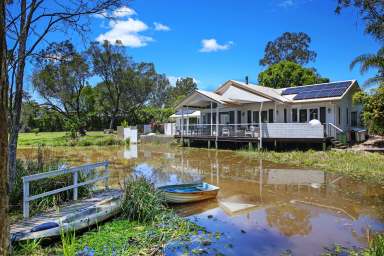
289	220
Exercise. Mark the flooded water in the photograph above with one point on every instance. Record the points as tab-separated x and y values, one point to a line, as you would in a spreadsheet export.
262	208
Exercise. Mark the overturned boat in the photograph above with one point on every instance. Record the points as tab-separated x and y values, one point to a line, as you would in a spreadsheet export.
83	214
187	193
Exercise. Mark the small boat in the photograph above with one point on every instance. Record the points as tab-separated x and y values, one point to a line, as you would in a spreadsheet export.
85	216
186	193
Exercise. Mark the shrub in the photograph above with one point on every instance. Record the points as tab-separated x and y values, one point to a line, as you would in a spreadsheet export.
142	202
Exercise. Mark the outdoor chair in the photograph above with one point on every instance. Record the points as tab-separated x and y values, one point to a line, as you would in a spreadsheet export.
225	132
251	132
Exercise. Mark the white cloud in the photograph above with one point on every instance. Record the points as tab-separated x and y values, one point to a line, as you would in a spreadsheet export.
126	31
173	79
161	27
211	45
286	3
123	11
101	15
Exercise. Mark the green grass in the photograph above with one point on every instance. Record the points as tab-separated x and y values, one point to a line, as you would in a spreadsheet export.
62	139
359	165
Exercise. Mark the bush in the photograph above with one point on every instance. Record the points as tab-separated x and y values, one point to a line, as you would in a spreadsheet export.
142	202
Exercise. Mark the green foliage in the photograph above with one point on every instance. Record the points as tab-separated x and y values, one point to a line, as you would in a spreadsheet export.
288	74
68	240
372	12
289	46
183	87
142	202
124	123
373	110
374	62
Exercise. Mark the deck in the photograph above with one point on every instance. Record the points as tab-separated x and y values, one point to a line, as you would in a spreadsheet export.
255	133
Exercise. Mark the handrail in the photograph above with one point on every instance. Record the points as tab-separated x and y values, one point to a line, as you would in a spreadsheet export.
335	127
74	170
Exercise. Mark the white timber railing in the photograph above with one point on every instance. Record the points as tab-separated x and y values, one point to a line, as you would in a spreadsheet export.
267	130
62	171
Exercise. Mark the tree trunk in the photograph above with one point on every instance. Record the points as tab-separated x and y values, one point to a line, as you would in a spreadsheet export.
4	225
17	101
111	123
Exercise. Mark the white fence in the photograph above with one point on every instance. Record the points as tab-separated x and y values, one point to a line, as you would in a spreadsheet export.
75	172
292	130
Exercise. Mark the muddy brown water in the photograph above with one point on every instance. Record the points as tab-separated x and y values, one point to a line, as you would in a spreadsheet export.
262	208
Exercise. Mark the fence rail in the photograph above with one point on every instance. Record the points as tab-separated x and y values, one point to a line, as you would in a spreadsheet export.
74	171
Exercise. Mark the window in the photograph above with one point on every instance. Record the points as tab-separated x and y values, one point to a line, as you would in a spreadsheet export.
339	118
239	117
264	116
231	117
294	115
313	113
303	116
249	116
255	117
270	116
347	112
285	116
323	114
354	118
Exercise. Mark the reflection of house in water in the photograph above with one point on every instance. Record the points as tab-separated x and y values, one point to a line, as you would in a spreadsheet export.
130	152
295	177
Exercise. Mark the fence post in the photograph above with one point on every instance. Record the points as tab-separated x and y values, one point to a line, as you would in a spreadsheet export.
25	198
75	181
106	174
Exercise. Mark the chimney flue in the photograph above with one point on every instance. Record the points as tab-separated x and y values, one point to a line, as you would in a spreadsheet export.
246	79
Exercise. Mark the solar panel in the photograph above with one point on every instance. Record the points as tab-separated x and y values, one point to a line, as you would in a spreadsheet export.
318	91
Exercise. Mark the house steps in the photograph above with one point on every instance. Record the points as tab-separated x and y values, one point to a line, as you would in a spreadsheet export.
337	144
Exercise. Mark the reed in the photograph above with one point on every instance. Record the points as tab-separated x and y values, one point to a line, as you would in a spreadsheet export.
142	202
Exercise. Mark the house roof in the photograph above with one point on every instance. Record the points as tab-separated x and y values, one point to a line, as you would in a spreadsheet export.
236	92
186	113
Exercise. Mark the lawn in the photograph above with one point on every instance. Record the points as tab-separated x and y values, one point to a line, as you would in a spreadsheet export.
359	165
62	139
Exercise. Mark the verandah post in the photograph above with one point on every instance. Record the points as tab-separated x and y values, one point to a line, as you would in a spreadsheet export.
75	189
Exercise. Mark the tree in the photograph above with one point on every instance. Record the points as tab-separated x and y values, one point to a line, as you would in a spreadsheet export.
28	23
183	87
372	12
371	61
60	79
4	225
161	91
373	109
109	62
289	74
289	46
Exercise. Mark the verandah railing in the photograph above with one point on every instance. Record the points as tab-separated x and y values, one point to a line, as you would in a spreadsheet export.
230	130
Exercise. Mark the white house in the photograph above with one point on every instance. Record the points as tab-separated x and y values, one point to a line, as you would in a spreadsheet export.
262	113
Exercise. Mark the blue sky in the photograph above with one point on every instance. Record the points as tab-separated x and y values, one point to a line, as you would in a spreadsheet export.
171	34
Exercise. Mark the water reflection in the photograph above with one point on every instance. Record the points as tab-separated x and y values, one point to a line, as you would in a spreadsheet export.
277	206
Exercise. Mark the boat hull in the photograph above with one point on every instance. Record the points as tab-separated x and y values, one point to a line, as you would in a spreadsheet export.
188	197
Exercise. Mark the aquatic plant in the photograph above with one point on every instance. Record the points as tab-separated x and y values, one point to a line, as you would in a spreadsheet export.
142	202
68	242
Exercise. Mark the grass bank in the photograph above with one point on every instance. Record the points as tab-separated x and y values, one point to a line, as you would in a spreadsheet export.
359	165
62	139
